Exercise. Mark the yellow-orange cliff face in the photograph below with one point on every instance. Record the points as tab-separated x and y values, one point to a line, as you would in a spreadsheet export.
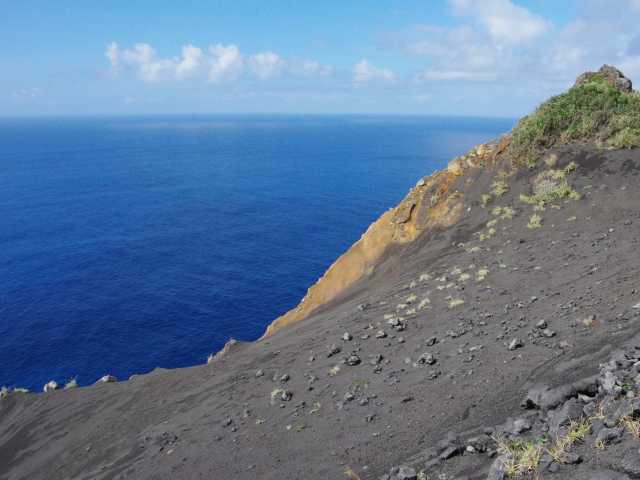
430	204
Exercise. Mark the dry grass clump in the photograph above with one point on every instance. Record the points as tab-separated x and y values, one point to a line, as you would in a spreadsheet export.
482	236
351	474
503	213
521	457
578	430
535	221
464	277
632	425
481	274
455	302
551	185
499	187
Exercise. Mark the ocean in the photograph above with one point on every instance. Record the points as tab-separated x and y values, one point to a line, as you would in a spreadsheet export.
130	243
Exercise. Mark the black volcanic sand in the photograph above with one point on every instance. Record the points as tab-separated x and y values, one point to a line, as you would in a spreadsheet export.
386	402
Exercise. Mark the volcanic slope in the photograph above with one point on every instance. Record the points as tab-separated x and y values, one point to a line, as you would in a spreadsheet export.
487	327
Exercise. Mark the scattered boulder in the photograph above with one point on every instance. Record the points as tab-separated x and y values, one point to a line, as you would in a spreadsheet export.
72	383
609	74
107	379
406	473
50	386
332	350
515	344
608	436
353	360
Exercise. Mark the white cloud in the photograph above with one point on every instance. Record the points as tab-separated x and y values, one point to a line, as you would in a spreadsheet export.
227	63
113	54
143	60
142	57
452	75
27	94
266	64
316	69
504	21
364	72
190	61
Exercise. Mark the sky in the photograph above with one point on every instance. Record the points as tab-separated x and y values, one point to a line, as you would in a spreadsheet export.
497	58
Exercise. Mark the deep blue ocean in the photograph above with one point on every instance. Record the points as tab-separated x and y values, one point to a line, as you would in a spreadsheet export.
133	243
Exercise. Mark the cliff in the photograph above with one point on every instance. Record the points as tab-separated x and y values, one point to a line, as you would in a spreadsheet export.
433	203
601	109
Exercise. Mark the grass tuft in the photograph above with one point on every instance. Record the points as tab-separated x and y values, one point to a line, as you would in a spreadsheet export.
521	457
578	430
499	187
535	221
455	302
632	425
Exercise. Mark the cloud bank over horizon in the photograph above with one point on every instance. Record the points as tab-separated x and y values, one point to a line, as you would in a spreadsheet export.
493	57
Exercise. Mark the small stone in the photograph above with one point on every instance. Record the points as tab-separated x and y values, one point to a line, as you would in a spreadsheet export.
571	458
431	341
547	332
406	473
286	395
521	425
285	378
515	344
73	383
353	360
259	373
333	349
107	379
50	386
348	397
376	359
381	334
541	324
347	337
426	358
608	436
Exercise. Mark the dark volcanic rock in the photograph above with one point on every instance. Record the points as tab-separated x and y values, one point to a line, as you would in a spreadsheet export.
612	75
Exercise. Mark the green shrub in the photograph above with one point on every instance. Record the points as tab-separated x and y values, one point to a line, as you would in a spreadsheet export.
592	112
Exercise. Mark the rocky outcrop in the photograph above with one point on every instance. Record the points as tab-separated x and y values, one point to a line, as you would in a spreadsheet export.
609	74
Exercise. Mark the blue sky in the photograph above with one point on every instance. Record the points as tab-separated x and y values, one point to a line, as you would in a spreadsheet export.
464	57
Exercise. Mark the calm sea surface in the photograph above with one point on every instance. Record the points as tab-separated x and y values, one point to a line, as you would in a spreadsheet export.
133	243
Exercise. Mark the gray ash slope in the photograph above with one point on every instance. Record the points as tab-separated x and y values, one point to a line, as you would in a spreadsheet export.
423	364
